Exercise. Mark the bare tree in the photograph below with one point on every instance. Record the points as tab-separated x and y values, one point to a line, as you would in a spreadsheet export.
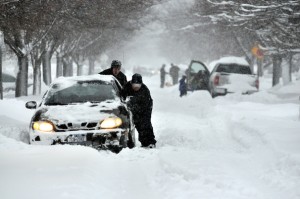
40	28
276	23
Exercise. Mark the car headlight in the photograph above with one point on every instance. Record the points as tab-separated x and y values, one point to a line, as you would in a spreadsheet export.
44	126
110	123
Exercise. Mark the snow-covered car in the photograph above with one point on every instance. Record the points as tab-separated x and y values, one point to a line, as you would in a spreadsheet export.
9	82
232	75
83	110
197	76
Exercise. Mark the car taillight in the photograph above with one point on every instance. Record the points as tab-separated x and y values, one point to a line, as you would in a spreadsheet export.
257	84
216	80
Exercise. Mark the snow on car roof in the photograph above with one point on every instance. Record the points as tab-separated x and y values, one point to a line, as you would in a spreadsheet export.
107	78
69	81
228	60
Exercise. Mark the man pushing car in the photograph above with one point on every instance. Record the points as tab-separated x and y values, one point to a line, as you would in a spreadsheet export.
140	104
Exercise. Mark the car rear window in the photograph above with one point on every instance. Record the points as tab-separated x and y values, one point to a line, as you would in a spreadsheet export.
80	92
233	68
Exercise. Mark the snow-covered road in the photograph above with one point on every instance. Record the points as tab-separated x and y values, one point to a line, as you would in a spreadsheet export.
231	147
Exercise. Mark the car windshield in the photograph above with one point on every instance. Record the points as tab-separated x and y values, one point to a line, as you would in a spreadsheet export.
233	68
80	92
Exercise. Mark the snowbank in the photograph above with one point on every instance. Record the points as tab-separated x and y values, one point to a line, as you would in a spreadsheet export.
232	147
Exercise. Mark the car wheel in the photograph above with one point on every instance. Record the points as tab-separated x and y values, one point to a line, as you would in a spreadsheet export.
213	95
115	149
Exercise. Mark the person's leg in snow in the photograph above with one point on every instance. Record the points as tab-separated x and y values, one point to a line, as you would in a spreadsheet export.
145	130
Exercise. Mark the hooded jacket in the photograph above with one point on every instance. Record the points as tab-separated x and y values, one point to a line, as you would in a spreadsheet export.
120	77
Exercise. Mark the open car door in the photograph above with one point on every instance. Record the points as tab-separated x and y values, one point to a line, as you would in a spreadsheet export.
197	76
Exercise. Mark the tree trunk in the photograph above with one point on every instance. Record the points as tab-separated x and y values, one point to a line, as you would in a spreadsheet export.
37	88
1	85
78	59
290	66
79	69
287	69
260	70
70	68
47	68
67	67
91	66
59	65
22	77
276	69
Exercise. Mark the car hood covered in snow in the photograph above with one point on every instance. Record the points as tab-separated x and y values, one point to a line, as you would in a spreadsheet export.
76	113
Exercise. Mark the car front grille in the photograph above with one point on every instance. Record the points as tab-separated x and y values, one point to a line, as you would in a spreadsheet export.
76	126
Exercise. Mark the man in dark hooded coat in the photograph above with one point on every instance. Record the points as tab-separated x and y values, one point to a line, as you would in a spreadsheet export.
140	104
115	70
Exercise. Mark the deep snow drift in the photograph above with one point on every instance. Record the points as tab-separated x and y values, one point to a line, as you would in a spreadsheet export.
229	147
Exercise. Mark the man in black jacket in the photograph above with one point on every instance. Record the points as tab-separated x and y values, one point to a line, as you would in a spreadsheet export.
140	104
115	70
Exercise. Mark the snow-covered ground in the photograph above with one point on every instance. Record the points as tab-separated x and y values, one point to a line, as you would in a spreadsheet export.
232	147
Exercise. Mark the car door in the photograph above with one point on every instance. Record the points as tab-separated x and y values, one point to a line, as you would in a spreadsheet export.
197	76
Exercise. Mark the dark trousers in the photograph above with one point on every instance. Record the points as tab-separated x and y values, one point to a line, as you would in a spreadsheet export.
183	92
162	82
144	127
175	79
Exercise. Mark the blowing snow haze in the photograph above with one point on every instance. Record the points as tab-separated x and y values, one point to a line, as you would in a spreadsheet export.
232	131
156	42
172	33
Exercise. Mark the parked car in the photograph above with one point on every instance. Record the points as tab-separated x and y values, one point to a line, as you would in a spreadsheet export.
83	110
197	76
144	71
232	75
9	82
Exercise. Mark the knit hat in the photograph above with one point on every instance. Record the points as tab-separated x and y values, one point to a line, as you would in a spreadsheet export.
115	63
136	79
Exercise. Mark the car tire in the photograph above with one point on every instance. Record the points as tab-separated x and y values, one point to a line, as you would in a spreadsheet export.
213	95
115	149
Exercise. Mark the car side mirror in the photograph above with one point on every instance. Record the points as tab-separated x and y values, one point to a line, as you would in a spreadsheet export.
31	105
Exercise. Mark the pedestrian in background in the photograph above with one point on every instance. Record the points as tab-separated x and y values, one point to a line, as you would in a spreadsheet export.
162	76
182	86
174	72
